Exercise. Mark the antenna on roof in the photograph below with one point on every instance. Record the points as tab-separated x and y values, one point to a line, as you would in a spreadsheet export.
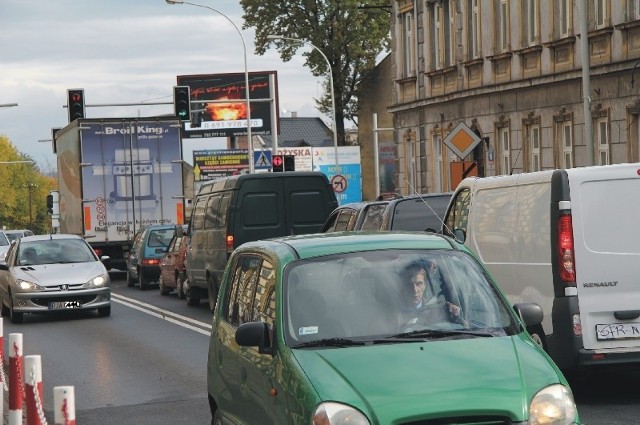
428	206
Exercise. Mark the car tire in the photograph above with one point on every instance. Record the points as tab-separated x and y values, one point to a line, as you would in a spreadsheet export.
537	335
14	316
181	278
212	292
4	310
192	298
130	280
163	288
142	281
104	311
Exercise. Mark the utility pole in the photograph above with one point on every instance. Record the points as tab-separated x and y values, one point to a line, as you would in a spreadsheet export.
30	186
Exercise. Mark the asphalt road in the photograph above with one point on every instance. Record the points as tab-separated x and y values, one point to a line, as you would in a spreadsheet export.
146	364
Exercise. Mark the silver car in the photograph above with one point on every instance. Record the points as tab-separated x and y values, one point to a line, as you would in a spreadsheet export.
5	243
46	273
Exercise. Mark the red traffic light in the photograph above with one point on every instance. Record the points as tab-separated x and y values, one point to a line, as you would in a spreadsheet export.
277	160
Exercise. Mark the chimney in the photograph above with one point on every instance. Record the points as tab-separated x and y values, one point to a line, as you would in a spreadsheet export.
294	114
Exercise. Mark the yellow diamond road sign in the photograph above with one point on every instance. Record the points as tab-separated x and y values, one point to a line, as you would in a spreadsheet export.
462	140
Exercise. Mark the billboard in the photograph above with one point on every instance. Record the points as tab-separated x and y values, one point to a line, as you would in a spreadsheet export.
221	100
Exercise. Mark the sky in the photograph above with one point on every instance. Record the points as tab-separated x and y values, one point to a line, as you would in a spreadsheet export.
124	51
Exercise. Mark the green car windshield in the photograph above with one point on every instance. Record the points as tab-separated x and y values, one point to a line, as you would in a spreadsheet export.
391	295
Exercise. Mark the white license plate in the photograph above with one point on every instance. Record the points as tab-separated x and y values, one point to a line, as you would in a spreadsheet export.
618	331
64	304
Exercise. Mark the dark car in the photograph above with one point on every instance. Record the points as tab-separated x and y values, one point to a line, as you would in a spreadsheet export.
149	245
411	213
173	272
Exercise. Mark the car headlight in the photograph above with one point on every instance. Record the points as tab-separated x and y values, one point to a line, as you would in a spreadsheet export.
553	405
96	282
338	414
26	286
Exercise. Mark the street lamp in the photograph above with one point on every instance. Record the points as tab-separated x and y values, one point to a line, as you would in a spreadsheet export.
30	186
333	100
246	76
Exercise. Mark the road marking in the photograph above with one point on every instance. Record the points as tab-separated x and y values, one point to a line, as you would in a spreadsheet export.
163	314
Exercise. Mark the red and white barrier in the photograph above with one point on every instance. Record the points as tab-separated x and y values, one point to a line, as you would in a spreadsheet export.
64	405
33	390
16	389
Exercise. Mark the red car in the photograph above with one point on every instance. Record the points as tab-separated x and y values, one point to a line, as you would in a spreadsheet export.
172	267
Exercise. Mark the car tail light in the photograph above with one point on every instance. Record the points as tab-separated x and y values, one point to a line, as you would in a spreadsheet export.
98	252
151	262
229	244
566	250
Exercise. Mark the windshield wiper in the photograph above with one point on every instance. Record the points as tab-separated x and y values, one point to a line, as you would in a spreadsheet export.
330	342
434	333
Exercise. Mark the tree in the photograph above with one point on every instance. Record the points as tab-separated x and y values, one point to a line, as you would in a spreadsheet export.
350	33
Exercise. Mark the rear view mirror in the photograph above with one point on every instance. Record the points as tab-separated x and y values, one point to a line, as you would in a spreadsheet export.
460	235
530	313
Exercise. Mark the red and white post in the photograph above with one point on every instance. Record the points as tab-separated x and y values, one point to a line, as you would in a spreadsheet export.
16	389
33	390
64	405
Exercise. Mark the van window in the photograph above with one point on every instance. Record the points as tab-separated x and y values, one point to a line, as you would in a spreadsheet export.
198	213
213	208
260	209
373	215
224	210
459	213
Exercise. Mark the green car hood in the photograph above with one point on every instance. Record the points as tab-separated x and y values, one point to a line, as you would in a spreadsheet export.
494	376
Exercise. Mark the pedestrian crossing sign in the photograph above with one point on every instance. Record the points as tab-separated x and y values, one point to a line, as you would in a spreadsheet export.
262	160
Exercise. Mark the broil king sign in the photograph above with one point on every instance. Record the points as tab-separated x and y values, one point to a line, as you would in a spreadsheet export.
221	101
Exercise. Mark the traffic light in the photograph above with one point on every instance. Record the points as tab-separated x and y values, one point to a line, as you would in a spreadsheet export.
75	104
282	163
182	102
50	204
289	163
278	163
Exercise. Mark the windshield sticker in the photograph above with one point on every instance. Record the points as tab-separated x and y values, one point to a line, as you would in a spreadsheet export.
308	330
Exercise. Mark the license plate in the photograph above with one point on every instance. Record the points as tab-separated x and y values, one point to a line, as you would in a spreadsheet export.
64	304
618	331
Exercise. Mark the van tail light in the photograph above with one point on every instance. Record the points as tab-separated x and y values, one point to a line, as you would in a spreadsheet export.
229	244
566	250
98	252
151	262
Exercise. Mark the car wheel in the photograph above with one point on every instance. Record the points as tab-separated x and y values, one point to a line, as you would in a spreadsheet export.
217	418
142	281
192	299
163	288
4	310
104	311
537	335
180	281
212	292
130	280
15	316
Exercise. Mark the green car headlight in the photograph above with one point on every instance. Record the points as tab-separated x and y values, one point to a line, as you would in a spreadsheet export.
553	405
331	413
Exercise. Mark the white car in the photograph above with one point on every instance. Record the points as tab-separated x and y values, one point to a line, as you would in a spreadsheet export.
47	273
5	243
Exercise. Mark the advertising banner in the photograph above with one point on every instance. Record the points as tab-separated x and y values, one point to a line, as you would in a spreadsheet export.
132	179
213	164
346	179
221	99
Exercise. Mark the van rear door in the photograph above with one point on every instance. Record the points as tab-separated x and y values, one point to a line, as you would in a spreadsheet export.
309	200
604	206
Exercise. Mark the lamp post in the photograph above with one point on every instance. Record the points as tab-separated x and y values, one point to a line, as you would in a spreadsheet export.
333	100
30	186
246	75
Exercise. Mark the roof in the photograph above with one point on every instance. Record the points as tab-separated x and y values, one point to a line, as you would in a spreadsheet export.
309	246
296	132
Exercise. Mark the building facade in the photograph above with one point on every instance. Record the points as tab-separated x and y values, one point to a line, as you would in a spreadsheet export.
511	70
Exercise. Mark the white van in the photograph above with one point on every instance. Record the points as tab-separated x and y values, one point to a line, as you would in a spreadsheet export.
568	240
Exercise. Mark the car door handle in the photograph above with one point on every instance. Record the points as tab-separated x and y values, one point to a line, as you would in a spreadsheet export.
627	314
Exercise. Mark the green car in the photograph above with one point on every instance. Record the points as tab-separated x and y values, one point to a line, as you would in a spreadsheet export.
375	328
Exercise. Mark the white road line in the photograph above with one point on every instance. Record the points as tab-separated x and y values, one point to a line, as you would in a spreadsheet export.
163	314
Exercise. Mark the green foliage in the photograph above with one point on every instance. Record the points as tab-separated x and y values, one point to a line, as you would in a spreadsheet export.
350	33
23	191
